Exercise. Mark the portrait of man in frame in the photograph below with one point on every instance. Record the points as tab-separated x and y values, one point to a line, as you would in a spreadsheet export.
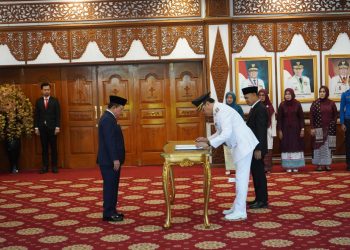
337	75
299	74
252	71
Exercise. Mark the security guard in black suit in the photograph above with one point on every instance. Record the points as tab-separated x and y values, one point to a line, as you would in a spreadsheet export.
111	156
47	125
257	122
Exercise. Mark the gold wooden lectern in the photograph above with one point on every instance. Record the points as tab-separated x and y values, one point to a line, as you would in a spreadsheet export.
184	158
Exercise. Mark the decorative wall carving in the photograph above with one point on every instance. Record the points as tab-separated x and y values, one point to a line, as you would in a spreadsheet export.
15	43
80	91
58	39
219	68
158	40
115	85
331	30
149	37
218	8
97	10
193	34
241	33
103	38
256	7
309	31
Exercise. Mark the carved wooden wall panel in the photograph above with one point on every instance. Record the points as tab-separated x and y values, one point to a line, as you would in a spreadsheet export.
309	31
115	85
149	36
219	67
241	32
80	140
81	38
186	89
193	34
258	7
216	8
79	115
152	89
58	39
97	10
331	30
187	84
15	42
80	91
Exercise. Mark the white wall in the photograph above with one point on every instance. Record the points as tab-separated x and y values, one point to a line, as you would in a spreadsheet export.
6	58
183	50
48	55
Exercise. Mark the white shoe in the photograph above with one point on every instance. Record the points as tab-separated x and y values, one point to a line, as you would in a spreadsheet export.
228	172
228	211
295	170
236	217
289	170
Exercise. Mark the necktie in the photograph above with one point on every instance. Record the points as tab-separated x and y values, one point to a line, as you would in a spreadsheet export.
301	80
46	102
254	82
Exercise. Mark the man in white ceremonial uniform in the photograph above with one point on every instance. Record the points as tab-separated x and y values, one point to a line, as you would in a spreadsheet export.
299	83
340	82
253	79
232	131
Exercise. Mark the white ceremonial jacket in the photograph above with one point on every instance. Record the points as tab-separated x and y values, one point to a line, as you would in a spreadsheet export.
233	131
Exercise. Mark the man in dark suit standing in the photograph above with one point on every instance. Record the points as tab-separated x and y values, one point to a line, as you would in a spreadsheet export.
111	156
257	122
47	125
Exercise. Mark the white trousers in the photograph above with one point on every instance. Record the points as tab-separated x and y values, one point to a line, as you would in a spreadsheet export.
242	183
229	165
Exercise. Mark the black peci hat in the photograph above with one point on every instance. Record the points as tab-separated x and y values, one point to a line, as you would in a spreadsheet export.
252	89
117	100
198	102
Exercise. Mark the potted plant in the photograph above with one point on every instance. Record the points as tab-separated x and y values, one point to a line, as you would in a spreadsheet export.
16	119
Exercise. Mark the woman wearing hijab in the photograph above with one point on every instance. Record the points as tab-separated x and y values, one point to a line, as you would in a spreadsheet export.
290	127
230	98
271	127
323	120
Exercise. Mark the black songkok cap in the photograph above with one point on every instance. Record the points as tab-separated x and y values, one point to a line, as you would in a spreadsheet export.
252	89
198	102
117	100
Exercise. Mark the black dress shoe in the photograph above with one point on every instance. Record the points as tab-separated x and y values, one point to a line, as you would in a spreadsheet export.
258	204
43	171
113	218
251	202
119	214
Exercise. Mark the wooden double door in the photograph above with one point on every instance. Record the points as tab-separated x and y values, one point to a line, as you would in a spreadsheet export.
159	108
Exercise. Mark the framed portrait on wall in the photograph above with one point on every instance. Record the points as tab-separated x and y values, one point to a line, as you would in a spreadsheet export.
300	74
337	75
252	71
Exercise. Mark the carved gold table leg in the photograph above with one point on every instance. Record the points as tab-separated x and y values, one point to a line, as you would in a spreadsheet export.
172	185
166	193
207	180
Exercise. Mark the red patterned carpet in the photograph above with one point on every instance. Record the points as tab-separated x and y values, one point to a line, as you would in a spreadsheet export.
308	210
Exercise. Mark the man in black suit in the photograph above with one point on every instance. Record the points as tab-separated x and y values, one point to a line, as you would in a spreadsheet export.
257	122
47	125
111	156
